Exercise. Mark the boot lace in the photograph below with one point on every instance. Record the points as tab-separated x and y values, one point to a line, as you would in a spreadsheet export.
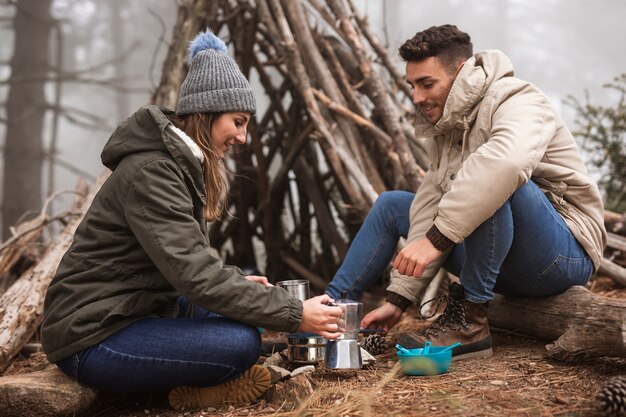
453	317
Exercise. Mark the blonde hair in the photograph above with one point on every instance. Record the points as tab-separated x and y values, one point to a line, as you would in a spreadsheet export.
198	127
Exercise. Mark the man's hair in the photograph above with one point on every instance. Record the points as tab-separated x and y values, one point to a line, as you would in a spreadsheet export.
449	44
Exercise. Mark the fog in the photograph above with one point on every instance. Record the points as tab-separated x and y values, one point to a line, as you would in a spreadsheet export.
565	47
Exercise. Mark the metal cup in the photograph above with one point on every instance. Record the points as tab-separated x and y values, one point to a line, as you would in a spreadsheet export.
298	288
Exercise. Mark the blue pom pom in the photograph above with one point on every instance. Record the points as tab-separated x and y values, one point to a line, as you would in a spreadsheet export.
204	41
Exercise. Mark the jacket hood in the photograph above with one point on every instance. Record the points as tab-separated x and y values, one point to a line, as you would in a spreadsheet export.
144	131
147	130
468	89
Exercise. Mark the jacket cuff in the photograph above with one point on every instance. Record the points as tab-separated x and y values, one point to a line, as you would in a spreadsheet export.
438	239
398	300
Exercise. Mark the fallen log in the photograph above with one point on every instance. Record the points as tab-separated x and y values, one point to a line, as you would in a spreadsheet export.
20	252
46	393
24	248
578	323
21	306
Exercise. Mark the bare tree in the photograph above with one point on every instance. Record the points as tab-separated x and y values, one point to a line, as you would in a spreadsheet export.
26	105
118	34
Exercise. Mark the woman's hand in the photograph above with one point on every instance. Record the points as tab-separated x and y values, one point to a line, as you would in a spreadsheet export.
384	317
260	280
415	257
319	318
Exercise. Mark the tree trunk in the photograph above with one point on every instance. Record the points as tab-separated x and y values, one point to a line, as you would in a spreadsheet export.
577	322
26	109
116	8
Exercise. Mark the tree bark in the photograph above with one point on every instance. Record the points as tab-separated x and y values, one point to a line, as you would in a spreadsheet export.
577	322
26	110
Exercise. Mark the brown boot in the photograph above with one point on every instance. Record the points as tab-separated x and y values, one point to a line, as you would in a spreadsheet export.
461	321
247	388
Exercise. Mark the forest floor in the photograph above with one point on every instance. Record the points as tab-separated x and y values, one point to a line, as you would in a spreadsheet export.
518	380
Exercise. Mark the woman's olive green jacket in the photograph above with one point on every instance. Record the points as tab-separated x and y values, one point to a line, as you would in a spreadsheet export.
143	243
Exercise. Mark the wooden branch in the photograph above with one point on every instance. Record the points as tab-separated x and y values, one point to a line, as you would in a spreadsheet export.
303	272
615	222
612	217
578	322
350	143
346	143
278	185
613	271
301	80
38	222
19	252
21	306
616	241
380	97
24	248
348	91
360	121
397	77
326	224
192	17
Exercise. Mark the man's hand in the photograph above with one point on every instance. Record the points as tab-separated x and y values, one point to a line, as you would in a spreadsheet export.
415	257
384	317
317	317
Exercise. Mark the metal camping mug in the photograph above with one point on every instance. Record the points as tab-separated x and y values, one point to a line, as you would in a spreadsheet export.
298	288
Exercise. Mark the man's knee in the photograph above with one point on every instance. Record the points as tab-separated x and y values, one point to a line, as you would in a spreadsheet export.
391	199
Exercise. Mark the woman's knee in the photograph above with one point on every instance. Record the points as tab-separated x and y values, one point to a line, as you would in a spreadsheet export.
245	345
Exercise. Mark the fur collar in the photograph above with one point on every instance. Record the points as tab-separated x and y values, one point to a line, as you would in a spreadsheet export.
195	149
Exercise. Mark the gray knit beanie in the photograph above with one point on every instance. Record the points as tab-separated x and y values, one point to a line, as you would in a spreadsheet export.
214	83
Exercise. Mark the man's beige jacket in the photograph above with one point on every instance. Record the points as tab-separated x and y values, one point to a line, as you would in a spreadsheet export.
496	133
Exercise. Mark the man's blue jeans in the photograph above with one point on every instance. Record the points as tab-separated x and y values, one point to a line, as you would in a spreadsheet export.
524	249
373	246
201	349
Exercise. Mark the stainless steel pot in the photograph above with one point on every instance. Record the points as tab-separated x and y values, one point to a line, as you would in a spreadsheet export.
306	348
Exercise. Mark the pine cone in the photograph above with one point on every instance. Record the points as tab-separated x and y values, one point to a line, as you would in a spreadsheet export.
375	344
612	397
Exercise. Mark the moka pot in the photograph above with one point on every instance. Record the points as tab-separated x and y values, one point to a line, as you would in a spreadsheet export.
344	352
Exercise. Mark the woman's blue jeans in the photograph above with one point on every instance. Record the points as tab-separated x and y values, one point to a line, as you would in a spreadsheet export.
524	249
200	348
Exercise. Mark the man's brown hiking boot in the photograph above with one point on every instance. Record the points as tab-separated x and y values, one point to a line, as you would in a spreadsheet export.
243	390
461	321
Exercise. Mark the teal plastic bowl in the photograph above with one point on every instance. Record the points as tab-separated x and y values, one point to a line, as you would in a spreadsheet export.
436	361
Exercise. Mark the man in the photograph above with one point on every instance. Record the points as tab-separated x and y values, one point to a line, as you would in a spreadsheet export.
506	204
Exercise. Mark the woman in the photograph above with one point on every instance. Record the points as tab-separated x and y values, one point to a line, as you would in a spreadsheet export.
138	303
